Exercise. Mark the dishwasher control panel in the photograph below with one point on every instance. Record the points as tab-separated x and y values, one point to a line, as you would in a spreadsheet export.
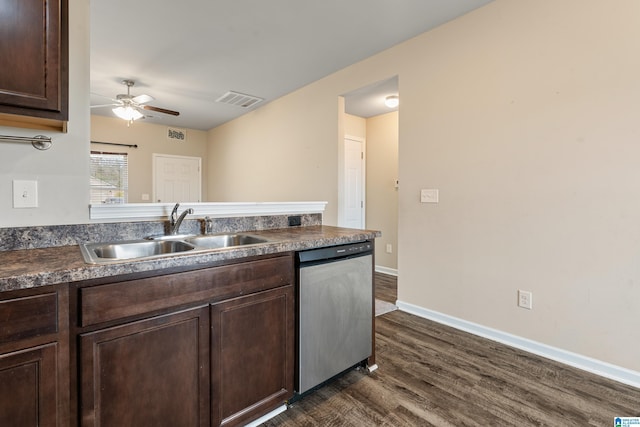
336	251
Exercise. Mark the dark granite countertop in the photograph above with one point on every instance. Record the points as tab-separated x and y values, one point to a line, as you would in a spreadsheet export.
30	268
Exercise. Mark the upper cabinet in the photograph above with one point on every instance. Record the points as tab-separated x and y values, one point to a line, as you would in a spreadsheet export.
34	78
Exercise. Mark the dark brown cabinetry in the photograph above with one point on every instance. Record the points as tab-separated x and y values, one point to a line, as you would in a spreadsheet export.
34	369
152	372
213	346
252	356
28	387
34	52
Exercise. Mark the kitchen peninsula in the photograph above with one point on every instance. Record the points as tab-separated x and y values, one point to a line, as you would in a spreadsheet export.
189	339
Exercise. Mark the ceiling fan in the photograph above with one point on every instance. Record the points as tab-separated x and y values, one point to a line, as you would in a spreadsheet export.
130	107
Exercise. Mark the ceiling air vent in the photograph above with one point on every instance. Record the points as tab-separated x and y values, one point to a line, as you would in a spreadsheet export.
239	99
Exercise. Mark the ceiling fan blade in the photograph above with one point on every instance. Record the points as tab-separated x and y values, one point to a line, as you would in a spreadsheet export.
160	110
105	105
142	99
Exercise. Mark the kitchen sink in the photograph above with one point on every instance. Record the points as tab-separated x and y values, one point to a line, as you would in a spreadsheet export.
132	249
159	246
224	240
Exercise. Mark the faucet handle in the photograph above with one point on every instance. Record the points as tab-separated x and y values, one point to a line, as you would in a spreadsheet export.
208	225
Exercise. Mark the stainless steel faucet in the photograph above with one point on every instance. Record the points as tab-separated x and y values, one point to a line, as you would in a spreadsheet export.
175	220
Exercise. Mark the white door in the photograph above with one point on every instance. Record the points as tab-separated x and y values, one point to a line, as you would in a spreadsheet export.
354	183
176	178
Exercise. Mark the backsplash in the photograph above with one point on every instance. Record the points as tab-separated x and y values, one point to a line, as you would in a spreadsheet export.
68	235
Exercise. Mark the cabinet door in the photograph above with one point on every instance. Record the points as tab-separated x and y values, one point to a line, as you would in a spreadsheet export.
252	356
28	387
33	76
154	372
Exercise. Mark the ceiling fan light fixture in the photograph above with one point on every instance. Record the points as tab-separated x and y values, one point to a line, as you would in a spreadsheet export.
392	101
127	113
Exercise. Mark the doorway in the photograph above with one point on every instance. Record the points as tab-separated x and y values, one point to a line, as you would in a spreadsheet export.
176	178
367	117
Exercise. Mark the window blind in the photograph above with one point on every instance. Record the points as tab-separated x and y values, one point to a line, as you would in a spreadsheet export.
109	177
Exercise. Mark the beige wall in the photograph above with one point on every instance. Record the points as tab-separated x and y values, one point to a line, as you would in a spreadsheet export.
355	126
151	139
283	151
382	196
524	114
63	180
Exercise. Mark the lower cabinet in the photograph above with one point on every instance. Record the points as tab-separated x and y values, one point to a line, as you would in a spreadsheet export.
206	347
34	364
212	346
152	372
252	355
28	387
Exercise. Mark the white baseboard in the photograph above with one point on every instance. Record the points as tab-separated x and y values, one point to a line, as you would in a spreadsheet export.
386	270
598	367
267	417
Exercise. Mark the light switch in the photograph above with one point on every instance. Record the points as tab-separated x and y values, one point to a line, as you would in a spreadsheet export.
25	194
429	195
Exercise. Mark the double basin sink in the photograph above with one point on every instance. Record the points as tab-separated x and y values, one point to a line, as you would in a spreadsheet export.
159	246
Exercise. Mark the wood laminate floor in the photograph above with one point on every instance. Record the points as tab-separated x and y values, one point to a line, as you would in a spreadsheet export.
386	287
434	375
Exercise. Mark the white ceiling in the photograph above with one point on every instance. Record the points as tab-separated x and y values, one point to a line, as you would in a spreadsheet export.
188	53
368	101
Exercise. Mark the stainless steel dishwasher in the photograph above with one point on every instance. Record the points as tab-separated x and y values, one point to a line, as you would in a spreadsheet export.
335	311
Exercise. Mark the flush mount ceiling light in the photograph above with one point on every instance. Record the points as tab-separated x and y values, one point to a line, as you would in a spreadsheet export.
127	113
392	101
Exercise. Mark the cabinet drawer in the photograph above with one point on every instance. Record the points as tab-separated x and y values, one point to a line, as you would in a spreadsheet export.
114	301
28	317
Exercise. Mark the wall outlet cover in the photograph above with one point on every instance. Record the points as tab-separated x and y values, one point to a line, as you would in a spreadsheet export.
525	299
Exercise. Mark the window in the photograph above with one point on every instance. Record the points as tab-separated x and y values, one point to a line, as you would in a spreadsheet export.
109	177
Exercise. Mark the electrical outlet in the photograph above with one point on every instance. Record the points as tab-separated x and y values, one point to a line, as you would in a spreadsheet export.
525	299
295	221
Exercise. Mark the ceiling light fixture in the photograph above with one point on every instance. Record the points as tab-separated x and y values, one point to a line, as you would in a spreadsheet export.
127	113
392	101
